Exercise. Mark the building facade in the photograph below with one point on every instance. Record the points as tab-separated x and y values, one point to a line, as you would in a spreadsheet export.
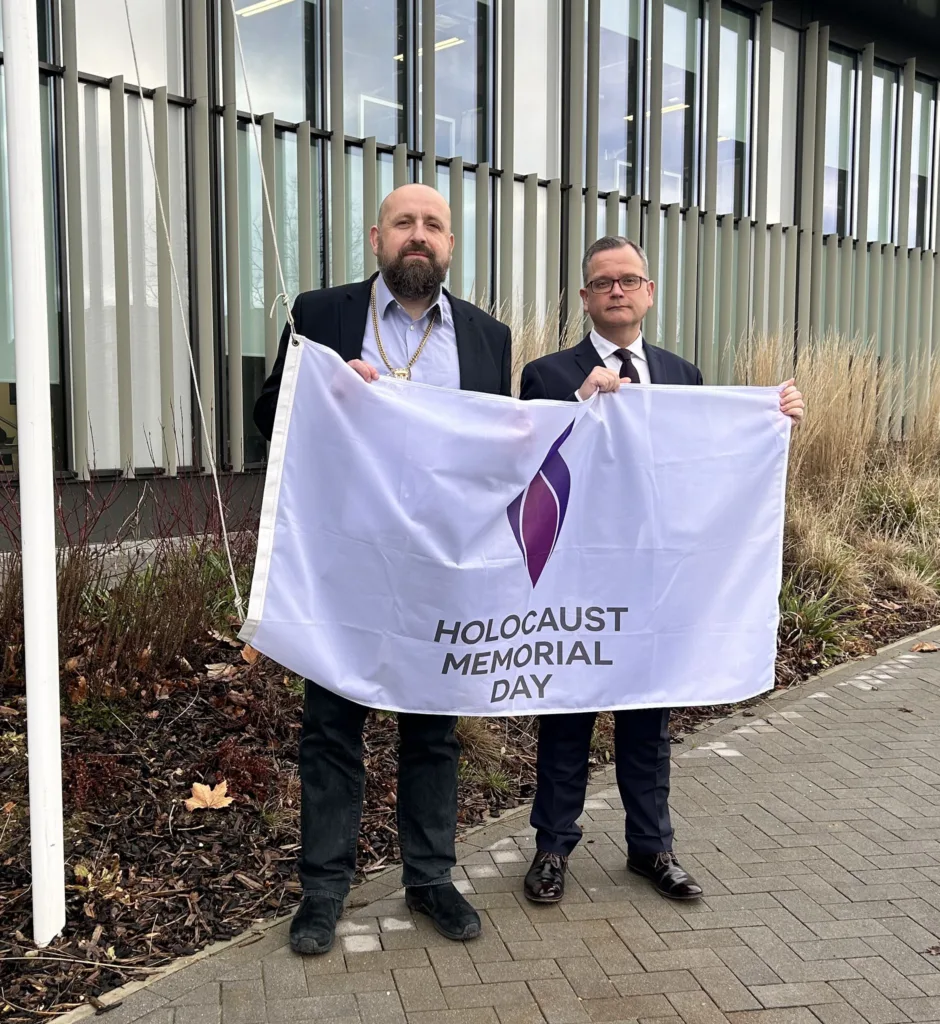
778	160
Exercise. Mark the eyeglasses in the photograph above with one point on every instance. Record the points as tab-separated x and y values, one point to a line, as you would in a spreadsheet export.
629	283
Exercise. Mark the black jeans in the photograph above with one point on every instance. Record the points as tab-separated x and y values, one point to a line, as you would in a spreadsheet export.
641	751
333	780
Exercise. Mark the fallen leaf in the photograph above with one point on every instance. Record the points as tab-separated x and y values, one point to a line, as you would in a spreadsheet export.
249	654
925	647
907	711
933	951
8	712
152	714
220	670
222	638
8	807
72	664
208	798
78	692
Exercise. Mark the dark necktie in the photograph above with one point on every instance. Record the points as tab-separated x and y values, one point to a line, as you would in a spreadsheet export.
627	368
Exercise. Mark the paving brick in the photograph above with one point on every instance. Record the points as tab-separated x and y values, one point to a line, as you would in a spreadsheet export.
627	1008
558	1002
696	1008
520	1015
503	993
381	1008
889	981
789	1015
419	988
453	965
747	966
197	1013
679	959
521	970
243	1003
838	1013
284	979
547	950
587	978
512	924
359	981
725	989
298	1011
210	993
869	1002
772	996
479	1015
830	949
925	1008
658	983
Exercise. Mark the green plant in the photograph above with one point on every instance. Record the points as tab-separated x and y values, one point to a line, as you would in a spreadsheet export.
813	624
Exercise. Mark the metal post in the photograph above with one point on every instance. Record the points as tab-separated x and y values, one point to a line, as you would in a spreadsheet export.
670	302
165	295
507	143
553	247
654	212
233	290
456	214
810	75
481	279
122	276
268	258
819	156
530	248
428	91
202	243
304	208
690	286
34	425
338	271
576	89
613	213
74	235
763	151
370	199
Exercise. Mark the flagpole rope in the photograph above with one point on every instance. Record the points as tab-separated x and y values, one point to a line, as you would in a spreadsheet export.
239	603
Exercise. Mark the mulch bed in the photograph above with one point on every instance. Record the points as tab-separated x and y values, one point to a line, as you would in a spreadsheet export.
148	880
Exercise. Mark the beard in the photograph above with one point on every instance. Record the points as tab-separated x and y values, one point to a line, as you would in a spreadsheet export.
412	279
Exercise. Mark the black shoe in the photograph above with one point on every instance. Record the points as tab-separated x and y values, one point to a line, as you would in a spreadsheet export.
314	925
449	912
545	879
665	873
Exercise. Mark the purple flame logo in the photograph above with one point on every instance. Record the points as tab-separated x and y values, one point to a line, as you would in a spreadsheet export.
537	514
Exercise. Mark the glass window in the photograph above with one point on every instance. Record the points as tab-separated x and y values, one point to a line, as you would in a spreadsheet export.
463	33
925	105
377	69
682	29
784	86
280	40
734	98
840	128
884	104
619	142
537	93
104	42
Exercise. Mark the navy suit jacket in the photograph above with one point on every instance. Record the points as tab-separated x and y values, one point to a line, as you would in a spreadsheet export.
336	317
560	374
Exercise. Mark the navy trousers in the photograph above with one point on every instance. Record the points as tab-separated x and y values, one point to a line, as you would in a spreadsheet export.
641	749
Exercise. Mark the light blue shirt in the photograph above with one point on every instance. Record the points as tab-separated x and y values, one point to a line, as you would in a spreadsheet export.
401	335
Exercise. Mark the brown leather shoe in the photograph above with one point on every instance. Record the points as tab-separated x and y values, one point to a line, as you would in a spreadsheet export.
664	872
545	879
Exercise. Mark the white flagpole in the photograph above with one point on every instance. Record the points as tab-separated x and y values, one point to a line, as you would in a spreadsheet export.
34	430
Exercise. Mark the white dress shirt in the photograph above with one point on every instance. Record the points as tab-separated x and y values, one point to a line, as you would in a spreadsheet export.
607	350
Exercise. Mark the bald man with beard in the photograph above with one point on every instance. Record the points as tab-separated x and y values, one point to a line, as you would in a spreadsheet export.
403	323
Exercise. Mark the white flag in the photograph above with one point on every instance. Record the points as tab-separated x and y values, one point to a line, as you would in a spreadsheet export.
430	550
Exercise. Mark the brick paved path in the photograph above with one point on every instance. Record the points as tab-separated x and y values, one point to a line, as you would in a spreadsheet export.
814	830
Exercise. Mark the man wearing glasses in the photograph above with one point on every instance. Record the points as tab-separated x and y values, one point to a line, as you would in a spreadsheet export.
617	294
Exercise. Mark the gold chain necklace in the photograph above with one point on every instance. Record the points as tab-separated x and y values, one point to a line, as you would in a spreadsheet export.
401	372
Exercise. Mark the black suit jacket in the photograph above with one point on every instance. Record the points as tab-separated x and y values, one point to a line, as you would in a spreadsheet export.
560	374
336	317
